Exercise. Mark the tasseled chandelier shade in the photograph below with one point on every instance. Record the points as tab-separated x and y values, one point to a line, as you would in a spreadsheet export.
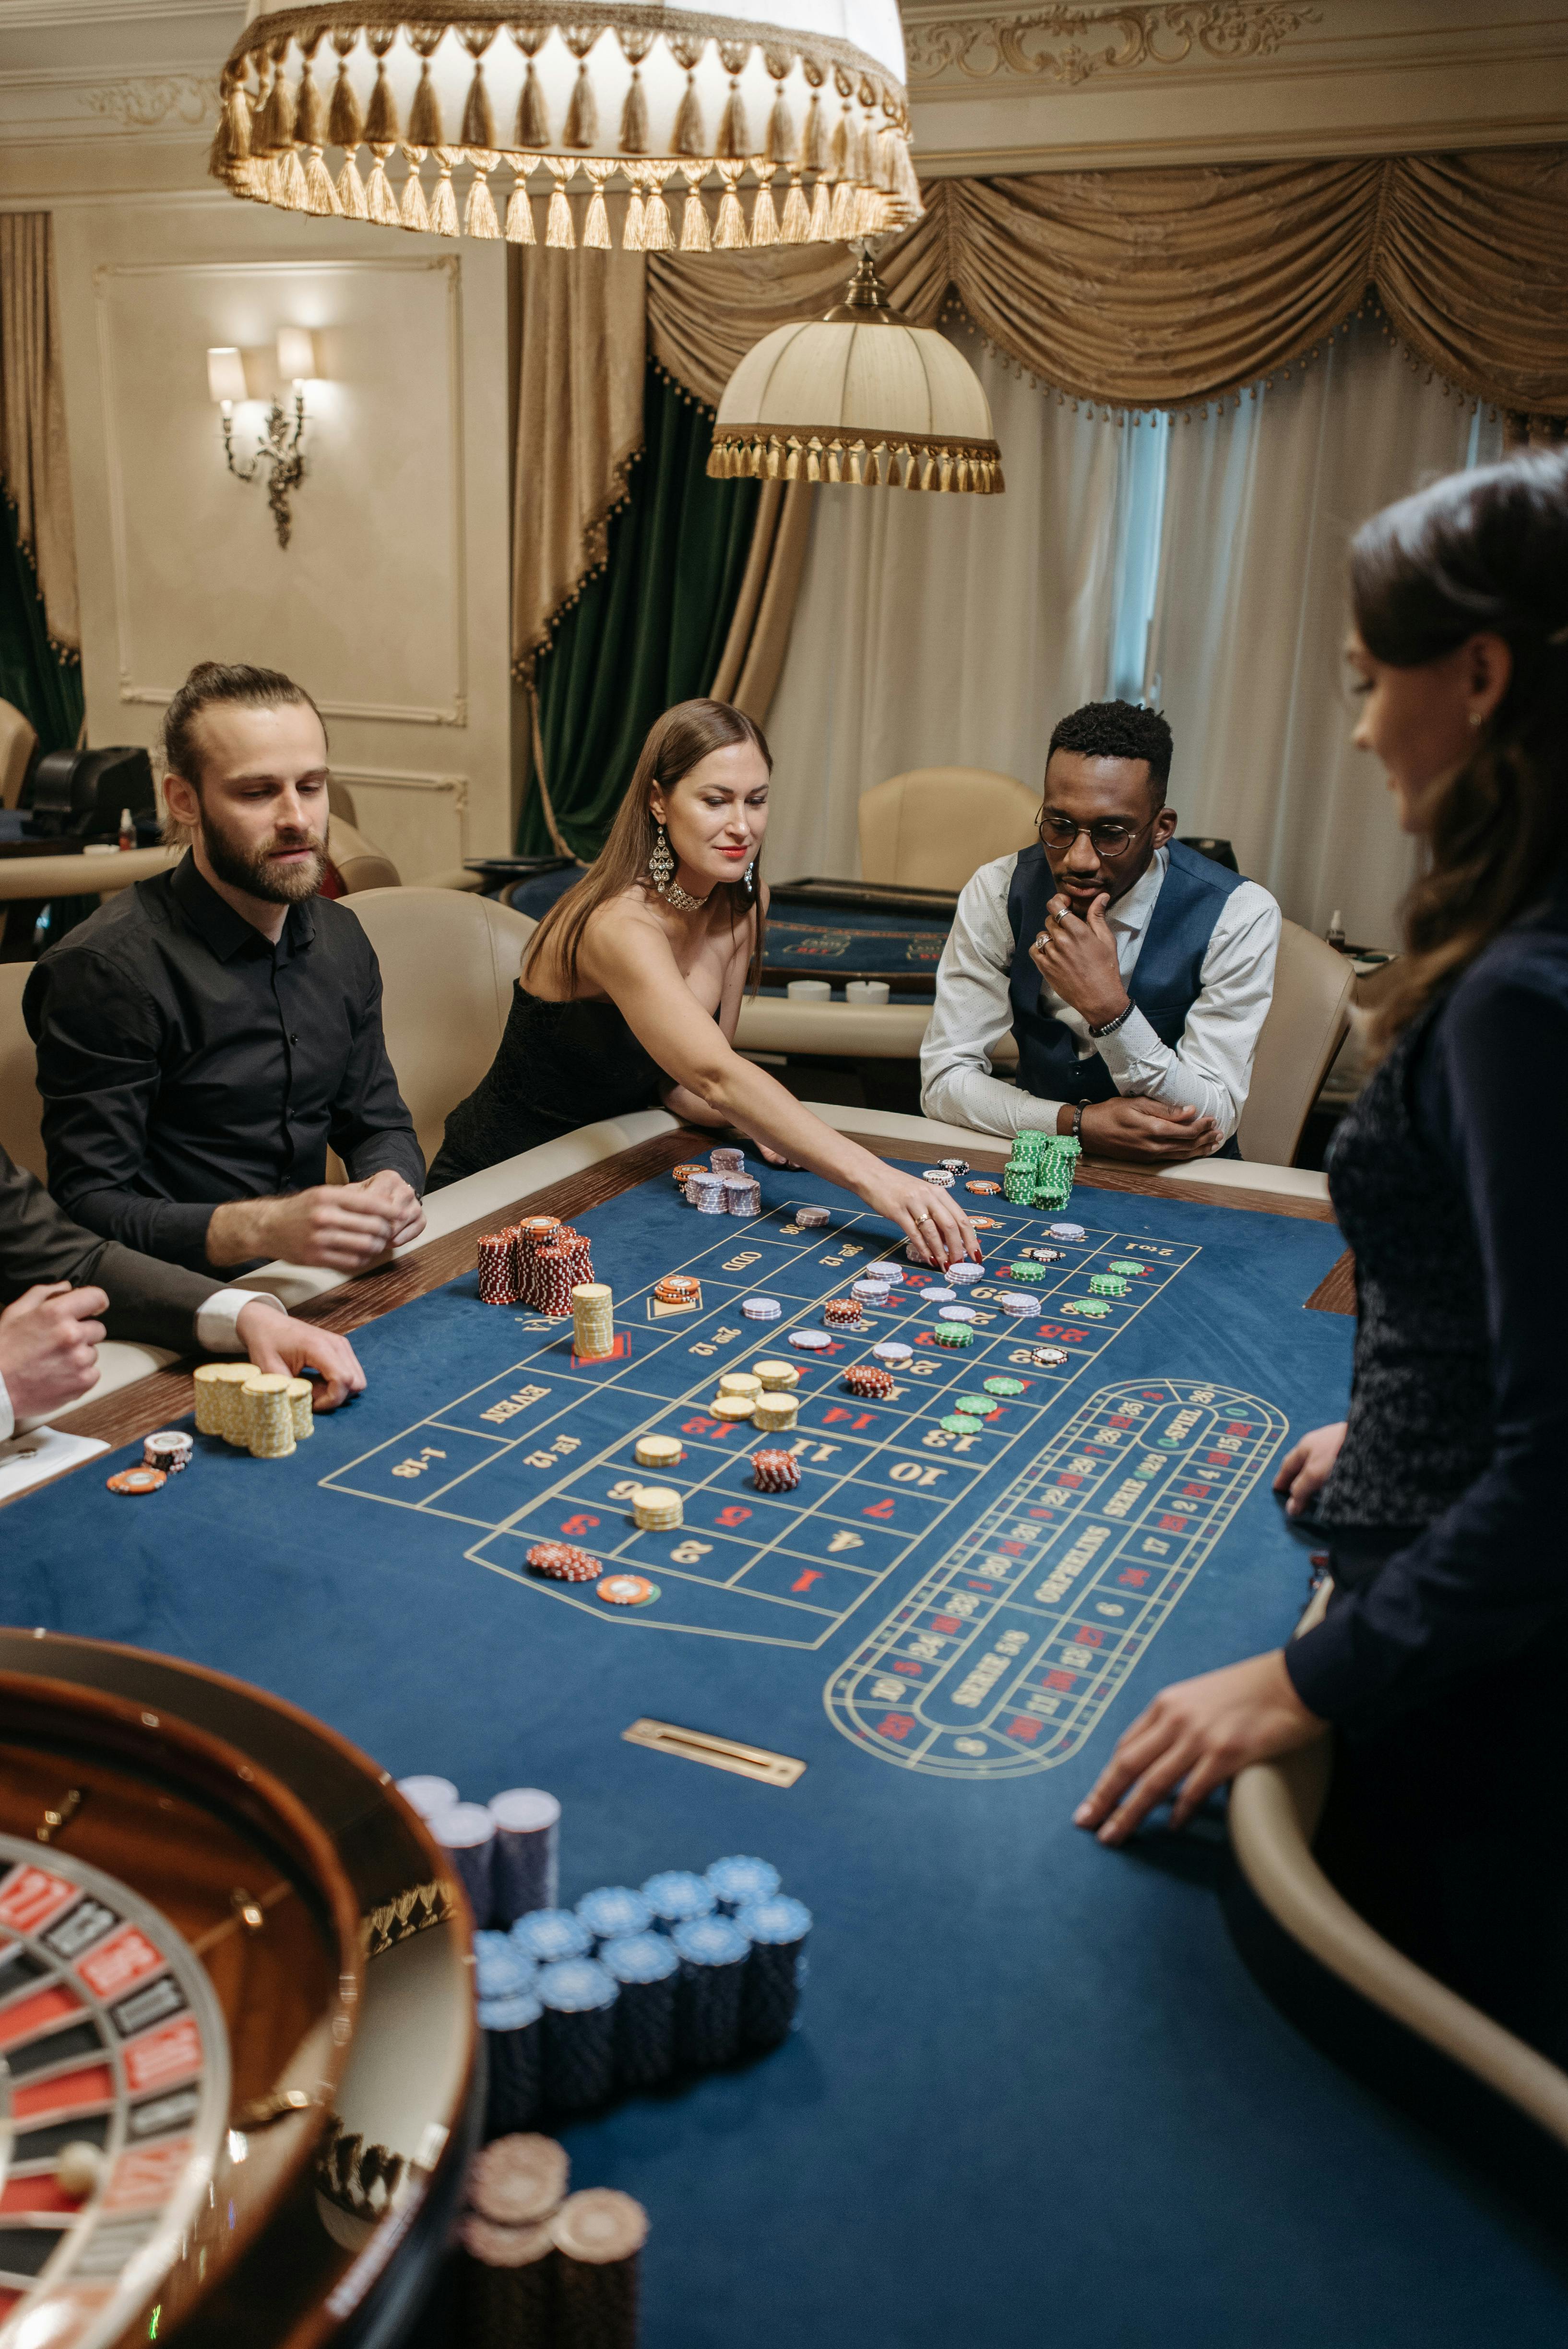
805	130
859	396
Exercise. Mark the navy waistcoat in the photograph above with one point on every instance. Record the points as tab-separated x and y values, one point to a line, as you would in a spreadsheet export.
1166	980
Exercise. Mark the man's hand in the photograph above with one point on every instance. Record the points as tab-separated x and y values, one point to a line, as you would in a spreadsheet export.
281	1346
1077	959
342	1227
48	1346
1195	1735
1304	1472
1146	1131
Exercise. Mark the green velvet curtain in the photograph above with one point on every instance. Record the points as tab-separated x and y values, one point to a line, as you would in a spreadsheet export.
46	688
647	631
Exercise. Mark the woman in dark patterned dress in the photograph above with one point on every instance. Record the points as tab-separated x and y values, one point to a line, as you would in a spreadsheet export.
1442	1663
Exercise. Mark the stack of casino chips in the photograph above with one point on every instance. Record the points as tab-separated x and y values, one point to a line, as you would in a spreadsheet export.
563	1562
555	1270
646	1970
579	2045
776	1929
955	1167
593	1320
1021	1172
938	1177
705	1192
761	1308
528	1238
952	1334
742	1194
220	1405
656	1509
681	1175
510	2271
1028	1271
677	1288
812	1219
843	1312
659	1451
775	1472
498	1269
269	1415
713	1952
775	1414
170	1451
777	1378
961	1274
726	1159
1106	1284
526	1861
870	1381
511	2016
598	2237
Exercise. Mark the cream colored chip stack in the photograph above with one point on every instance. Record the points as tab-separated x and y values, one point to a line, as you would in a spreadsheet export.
269	1415
740	1382
208	1382
230	1382
302	1408
732	1406
777	1377
656	1509
593	1318
659	1451
775	1412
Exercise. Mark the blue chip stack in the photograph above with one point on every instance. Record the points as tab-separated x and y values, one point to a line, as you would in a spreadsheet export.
713	1953
776	1931
509	2015
676	1897
646	1970
736	1883
612	1912
579	2000
548	1935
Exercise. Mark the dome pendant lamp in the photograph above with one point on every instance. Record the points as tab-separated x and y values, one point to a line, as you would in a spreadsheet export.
860	396
803	127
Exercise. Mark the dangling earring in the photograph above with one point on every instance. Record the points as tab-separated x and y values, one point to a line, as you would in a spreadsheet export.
749	871
660	864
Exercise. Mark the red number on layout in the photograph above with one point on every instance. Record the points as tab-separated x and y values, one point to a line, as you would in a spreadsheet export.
1135	1576
804	1582
1060	1680
1087	1637
1024	1726
579	1525
880	1508
708	1428
947	1622
895	1724
733	1515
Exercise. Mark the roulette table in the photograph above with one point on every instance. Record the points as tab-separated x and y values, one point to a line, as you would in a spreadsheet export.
1033	2087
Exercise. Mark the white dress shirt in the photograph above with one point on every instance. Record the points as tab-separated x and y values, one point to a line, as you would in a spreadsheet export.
217	1332
1210	1069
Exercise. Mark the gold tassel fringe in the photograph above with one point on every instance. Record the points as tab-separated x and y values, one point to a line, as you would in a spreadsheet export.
765	454
443	203
558	229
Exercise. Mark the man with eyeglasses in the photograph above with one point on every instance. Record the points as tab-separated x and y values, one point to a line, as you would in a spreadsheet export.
1134	974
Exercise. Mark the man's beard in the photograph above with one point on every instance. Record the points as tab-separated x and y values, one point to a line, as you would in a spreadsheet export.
251	870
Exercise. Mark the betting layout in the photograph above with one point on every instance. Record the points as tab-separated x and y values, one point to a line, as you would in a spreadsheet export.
118	2093
1005	1654
545	1452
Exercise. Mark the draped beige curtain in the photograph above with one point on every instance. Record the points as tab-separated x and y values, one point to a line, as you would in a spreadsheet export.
1165	289
35	468
1139	290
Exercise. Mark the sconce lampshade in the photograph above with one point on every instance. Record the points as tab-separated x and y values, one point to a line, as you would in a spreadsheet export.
804	103
297	361
226	377
858	396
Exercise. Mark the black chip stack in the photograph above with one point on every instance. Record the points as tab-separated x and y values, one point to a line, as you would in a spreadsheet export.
776	1931
713	1954
579	2001
598	2237
646	1968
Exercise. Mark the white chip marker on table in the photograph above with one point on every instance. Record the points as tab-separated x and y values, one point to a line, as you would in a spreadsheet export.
811	1341
964	1272
868	1288
938	1295
761	1308
956	1313
891	1273
1018	1307
892	1350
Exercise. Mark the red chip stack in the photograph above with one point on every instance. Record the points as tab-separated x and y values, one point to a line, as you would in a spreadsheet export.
775	1472
557	1268
563	1562
869	1378
842	1312
498	1281
530	1236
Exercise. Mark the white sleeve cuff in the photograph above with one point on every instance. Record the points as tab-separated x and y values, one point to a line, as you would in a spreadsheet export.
1134	1049
217	1322
8	1416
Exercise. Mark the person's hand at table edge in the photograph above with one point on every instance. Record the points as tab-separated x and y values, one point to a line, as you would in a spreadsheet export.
49	1338
281	1346
341	1226
1305	1470
1142	1132
1194	1736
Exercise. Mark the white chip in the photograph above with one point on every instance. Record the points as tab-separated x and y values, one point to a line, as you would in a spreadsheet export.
1065	1231
956	1313
937	1296
811	1341
761	1308
1018	1306
964	1272
891	1273
874	1289
892	1350
810	1219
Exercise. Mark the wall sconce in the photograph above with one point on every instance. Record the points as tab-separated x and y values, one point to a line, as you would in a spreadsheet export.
279	450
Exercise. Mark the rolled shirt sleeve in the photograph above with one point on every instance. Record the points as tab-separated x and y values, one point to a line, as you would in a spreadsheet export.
1209	1068
973	1014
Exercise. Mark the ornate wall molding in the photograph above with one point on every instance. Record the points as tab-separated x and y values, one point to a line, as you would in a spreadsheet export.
145	103
1068	45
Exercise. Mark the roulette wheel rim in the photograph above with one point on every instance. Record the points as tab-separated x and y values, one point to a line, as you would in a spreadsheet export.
356	2223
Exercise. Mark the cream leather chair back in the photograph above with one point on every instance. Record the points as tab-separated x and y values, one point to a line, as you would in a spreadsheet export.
360	865
17	743
935	827
21	1110
448	963
1307	1023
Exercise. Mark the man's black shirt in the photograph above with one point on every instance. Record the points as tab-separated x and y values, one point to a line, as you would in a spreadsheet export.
184	1061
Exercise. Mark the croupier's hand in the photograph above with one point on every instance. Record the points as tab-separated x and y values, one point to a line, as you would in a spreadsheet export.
48	1346
1304	1472
283	1347
1194	1736
1146	1133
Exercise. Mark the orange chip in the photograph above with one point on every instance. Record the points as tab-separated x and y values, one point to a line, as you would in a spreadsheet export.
137	1480
626	1591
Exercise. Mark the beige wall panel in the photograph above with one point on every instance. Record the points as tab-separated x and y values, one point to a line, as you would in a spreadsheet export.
390	601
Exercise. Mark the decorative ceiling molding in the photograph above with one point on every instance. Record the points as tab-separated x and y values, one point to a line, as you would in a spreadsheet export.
55	16
1070	44
148	104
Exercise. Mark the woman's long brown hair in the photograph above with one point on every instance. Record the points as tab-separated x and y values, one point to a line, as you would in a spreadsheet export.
1482	552
675	745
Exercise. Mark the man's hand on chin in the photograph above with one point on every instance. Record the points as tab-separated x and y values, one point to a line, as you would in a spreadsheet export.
1146	1133
283	1347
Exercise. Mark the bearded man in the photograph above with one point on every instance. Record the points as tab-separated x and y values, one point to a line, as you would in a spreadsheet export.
206	1035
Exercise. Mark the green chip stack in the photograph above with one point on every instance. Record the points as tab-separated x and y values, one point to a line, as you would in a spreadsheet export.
1021	1175
1106	1283
1055	1173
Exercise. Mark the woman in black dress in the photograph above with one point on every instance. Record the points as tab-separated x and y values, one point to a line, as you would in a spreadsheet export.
1442	1663
632	986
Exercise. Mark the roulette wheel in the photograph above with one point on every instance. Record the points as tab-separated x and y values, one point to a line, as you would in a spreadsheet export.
237	2077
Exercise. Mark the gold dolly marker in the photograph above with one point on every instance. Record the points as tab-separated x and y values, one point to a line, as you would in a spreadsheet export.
718	1752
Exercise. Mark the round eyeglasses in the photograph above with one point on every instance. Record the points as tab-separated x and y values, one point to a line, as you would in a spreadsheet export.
1109	838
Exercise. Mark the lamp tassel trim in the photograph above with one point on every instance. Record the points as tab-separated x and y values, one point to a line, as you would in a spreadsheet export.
519	210
597	237
290	138
823	453
558	229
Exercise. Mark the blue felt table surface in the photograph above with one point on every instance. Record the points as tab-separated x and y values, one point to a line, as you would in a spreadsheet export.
1035	2096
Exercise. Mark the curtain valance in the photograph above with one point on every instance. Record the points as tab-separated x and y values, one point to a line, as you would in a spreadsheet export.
1164	289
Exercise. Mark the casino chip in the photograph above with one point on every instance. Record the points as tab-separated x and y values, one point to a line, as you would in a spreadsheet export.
956	1424
1065	1231
732	1406
810	1219
1018	1306
626	1591
739	1383
681	1175
955	1167
775	1472
843	1312
1128	1268
170	1449
811	1341
761	1308
957	1333
1088	1308
939	1296
980	1406
1051	1358
986	1222
1029	1272
778	1377
563	1562
985	1189
939	1177
891	1273
892	1350
1005	1386
867	1379
964	1272
659	1451
956	1313
677	1288
137	1480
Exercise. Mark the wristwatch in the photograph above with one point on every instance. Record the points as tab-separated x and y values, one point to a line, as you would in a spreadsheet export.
1109	1027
